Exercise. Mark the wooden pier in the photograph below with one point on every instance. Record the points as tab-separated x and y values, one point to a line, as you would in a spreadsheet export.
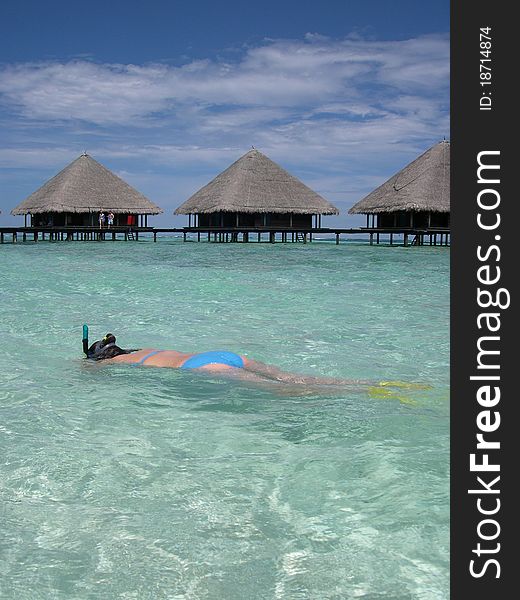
390	236
63	233
409	236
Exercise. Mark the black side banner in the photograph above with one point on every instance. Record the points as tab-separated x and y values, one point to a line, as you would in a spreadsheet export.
484	329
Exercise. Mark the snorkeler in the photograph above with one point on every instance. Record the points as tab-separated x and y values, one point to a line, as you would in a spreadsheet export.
221	361
237	366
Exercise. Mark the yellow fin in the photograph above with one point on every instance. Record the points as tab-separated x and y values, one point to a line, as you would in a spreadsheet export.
384	394
378	392
405	385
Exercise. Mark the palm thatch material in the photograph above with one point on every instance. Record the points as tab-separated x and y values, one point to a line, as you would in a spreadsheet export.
256	184
423	185
86	186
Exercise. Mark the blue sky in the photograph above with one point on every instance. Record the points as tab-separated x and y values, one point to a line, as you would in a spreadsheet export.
168	94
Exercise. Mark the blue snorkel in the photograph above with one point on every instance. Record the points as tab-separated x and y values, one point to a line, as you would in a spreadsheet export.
85	339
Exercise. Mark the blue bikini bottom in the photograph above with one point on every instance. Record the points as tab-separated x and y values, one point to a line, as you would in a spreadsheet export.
214	357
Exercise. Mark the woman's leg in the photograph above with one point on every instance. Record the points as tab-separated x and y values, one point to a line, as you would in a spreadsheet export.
273	373
286	387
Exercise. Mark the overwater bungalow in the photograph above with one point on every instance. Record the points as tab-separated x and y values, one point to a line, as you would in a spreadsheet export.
75	196
255	192
417	197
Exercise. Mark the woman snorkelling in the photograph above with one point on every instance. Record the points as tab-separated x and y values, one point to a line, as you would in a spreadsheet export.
220	361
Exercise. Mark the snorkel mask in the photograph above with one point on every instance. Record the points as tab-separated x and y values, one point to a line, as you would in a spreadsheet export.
98	347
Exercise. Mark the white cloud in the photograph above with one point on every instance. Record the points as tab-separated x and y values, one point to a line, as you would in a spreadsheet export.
278	74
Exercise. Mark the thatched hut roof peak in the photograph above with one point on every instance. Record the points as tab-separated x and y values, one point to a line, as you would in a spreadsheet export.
256	184
85	185
423	185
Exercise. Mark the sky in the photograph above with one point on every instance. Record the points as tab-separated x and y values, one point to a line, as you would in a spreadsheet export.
167	94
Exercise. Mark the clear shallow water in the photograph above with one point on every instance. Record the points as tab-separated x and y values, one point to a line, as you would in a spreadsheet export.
153	483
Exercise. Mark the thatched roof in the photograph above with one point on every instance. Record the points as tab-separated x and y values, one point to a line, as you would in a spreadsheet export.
423	185
256	184
86	186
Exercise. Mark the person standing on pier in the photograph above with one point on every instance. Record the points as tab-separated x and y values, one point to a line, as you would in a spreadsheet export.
110	219
101	219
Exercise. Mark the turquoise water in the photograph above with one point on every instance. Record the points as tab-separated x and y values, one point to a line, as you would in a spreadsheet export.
141	483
